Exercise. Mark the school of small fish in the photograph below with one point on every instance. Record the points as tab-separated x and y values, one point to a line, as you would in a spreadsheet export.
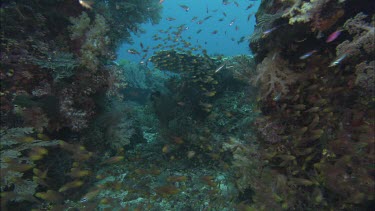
171	37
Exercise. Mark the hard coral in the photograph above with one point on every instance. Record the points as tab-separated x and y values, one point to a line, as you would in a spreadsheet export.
303	12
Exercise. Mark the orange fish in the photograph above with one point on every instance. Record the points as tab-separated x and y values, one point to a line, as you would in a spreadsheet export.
177	178
166	149
113	160
177	140
166	190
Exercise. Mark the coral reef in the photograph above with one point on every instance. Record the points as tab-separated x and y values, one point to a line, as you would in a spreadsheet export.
314	138
55	71
288	128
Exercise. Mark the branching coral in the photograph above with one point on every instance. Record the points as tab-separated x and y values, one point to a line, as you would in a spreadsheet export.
274	76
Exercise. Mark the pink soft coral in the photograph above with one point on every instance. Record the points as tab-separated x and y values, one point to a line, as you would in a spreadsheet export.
274	76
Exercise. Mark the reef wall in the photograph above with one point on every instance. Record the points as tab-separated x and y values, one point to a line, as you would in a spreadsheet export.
315	70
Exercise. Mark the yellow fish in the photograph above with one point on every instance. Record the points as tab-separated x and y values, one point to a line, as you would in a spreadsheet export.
70	185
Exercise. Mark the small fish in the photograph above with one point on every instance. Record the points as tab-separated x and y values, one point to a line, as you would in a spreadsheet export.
113	160
133	51
86	4
177	140
206	105
194	18
236	3
37	153
27	139
236	28
42	137
308	54
219	68
221	19
166	190
333	36
208	17
177	178
186	8
200	22
250	6
19	167
225	14
190	154
338	60
242	39
319	35
267	32
181	103
50	196
210	94
76	172
39	173
214	32
170	19
301	40
208	180
141	44
226	2
277	97
249	16
232	22
90	195
70	185
166	149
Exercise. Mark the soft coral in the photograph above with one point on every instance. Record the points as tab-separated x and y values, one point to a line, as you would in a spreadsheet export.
274	75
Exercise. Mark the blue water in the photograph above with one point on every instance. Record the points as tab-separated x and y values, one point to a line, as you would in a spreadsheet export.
224	42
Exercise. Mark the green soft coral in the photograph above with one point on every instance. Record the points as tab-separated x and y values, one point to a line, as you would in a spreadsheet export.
96	39
80	25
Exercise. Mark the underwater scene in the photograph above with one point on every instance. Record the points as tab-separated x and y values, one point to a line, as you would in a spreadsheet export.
187	105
